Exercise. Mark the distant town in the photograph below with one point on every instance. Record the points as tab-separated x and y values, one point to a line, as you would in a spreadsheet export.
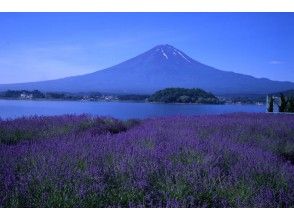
97	96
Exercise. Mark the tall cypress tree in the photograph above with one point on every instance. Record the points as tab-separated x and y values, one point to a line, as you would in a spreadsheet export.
283	105
270	104
290	106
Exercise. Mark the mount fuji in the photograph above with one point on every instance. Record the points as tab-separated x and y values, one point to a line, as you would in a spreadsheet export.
161	67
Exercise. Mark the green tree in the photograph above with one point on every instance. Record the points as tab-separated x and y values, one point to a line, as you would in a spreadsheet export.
290	105
270	104
183	95
283	105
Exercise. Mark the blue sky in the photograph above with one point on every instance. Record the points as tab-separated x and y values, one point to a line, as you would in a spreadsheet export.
42	46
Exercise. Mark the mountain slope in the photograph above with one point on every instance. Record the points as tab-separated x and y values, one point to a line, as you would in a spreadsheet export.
161	67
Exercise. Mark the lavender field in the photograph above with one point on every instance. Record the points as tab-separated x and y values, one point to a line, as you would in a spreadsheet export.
232	160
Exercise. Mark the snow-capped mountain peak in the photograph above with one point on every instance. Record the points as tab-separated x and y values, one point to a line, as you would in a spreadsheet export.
161	67
169	52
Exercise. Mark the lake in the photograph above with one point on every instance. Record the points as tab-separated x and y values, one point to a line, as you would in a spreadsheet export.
120	110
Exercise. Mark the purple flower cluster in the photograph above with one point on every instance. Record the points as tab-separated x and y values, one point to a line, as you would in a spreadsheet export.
234	160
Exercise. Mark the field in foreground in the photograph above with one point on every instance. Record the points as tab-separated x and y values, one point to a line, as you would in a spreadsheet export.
235	160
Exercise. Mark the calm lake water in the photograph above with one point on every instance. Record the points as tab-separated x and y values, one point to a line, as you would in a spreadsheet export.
120	110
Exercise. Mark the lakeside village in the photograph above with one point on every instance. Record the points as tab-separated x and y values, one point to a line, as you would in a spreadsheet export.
272	101
38	95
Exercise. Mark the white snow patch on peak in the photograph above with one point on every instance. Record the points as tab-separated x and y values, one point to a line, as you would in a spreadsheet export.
183	56
164	54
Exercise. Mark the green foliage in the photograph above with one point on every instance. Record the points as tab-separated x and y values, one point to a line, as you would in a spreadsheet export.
53	95
290	105
187	157
81	165
14	137
236	193
36	94
133	97
182	95
271	104
283	105
246	99
17	94
287	151
272	180
287	103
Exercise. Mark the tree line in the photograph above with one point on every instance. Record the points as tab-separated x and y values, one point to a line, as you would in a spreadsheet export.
36	94
286	104
183	95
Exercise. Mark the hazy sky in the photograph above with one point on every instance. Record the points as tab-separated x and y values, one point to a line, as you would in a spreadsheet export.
41	46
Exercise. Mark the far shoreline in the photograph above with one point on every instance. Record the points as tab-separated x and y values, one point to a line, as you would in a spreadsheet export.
127	101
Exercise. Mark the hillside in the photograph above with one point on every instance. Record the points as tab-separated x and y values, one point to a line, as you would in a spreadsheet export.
182	95
161	67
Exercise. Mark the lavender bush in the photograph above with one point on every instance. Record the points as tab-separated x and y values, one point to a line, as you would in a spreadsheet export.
235	160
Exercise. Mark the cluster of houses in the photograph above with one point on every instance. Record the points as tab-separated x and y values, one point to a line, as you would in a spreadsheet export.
30	96
26	96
